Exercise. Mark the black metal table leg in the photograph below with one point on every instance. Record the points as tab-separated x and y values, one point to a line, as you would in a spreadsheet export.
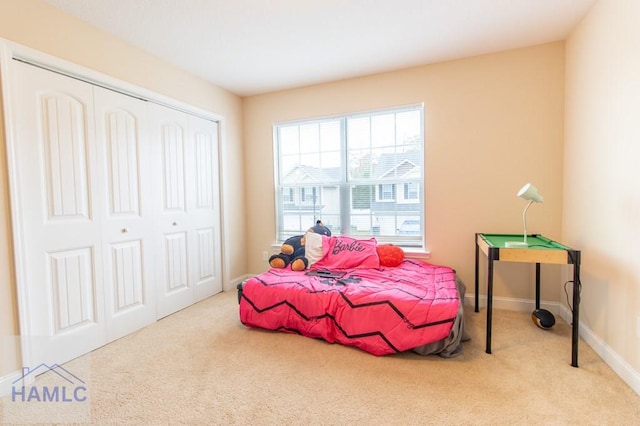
489	299
477	277
537	286
576	309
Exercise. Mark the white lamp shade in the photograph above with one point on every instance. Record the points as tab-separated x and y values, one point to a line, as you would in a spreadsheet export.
530	192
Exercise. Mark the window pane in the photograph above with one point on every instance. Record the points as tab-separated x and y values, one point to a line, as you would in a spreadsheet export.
360	165
289	140
331	166
383	130
410	226
330	136
361	197
408	131
359	133
310	138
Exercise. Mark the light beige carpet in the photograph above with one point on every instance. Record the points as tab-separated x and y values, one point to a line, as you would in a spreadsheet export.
201	366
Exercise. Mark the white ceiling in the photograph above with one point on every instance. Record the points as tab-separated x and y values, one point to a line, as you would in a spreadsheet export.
256	46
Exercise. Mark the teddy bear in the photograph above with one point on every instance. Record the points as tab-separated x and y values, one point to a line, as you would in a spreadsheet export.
292	251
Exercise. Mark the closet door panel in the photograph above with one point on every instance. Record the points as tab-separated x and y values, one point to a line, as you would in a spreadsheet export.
72	288
127	271
169	133
64	143
60	259
172	141
127	227
203	206
176	269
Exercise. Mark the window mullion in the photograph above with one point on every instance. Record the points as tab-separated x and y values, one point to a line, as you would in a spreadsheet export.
345	187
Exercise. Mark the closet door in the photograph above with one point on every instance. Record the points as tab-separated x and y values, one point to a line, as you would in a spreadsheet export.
203	206
58	232
186	211
168	145
127	226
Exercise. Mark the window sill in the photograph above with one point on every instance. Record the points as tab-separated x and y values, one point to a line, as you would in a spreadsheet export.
409	252
416	253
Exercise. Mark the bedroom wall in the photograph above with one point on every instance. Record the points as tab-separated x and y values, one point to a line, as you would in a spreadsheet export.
492	123
601	175
38	25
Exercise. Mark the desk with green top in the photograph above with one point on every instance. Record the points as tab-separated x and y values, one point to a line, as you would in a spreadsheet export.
540	250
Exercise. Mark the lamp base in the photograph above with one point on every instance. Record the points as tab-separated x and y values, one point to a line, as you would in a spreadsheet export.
516	244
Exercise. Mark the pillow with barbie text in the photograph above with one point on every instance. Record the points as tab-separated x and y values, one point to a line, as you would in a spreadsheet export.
347	252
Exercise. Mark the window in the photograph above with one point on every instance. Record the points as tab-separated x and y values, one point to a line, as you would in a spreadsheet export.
308	195
411	192
387	192
287	195
361	174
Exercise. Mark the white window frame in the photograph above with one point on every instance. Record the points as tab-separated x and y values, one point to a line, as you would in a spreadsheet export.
385	224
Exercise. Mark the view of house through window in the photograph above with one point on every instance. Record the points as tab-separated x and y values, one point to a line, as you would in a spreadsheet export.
360	174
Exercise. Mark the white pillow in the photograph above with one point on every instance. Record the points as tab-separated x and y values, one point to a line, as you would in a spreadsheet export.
313	247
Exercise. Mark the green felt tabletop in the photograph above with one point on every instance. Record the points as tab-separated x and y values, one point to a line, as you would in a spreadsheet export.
535	241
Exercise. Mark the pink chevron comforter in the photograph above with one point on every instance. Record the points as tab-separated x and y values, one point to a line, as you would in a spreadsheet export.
414	306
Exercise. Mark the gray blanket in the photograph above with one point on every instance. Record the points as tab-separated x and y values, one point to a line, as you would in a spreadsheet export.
452	345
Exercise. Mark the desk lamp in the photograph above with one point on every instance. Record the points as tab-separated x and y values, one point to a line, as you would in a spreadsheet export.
530	193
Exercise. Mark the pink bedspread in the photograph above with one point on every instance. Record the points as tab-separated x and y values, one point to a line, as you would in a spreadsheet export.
381	311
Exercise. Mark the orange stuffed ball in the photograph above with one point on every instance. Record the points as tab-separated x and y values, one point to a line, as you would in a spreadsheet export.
390	255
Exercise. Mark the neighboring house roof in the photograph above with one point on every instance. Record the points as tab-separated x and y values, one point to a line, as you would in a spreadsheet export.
403	165
309	174
398	166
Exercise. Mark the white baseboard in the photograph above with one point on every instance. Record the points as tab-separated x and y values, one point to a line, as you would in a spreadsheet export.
608	355
511	304
6	382
232	285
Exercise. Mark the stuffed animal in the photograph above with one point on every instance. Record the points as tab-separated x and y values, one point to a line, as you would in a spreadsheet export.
319	228
292	251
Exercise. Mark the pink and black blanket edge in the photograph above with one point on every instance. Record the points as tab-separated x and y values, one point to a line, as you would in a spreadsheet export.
415	306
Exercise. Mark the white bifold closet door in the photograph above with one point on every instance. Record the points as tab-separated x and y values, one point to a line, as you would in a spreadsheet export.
187	220
61	215
125	188
116	203
86	237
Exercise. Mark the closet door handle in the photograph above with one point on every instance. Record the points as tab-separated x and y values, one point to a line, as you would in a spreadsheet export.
124	230
175	223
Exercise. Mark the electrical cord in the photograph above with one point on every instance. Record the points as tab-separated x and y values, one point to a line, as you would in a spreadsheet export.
567	293
573	262
578	283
